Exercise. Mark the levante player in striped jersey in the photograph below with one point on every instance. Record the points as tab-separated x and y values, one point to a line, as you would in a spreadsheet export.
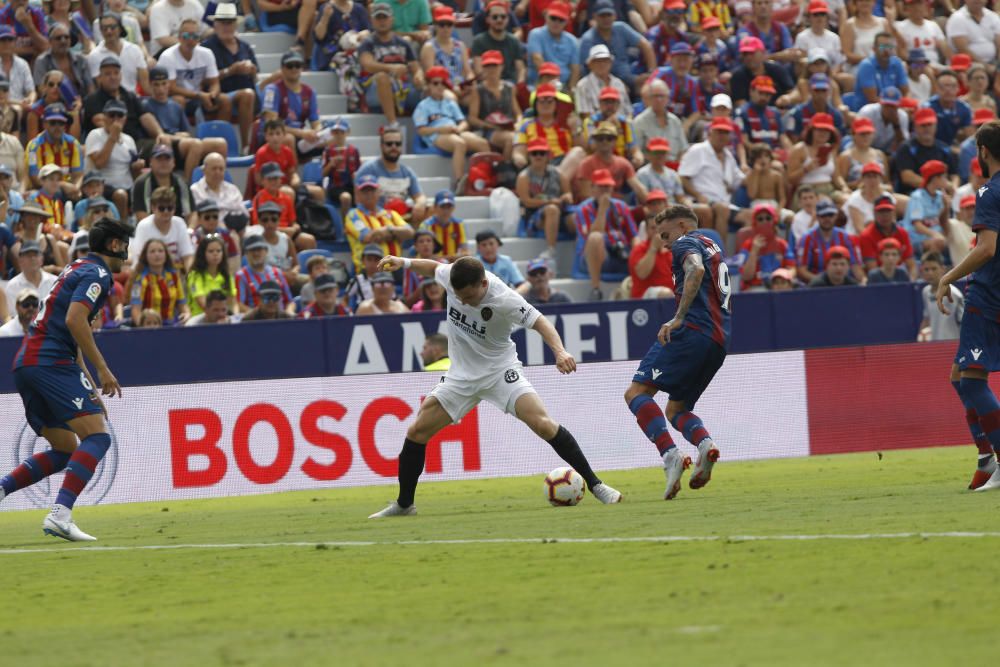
689	351
60	399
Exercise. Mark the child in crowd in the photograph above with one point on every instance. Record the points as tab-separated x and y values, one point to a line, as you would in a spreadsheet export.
936	325
52	198
923	211
92	188
272	191
276	150
658	176
764	183
805	217
340	161
890	251
448	231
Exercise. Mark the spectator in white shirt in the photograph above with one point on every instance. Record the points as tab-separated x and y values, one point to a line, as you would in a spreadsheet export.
26	308
194	76
819	36
213	185
113	154
15	69
167	227
589	87
30	262
165	18
916	32
975	31
133	64
710	174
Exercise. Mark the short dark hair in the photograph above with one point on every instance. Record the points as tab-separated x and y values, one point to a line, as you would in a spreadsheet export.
988	136
883	35
757	150
948	72
274	124
162	195
215	295
932	257
678	211
390	130
439	340
466	271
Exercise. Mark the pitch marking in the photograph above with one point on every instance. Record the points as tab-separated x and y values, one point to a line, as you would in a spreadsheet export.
518	540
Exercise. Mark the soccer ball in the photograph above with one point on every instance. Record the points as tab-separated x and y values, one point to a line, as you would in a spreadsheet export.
564	486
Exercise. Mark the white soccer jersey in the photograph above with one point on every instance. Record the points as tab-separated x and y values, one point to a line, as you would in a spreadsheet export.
479	341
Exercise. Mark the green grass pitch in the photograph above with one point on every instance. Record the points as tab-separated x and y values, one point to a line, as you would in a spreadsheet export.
882	601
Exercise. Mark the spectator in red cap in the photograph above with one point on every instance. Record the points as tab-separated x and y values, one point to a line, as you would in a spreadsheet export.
811	162
763	252
973	32
781	280
441	123
889	270
545	194
588	90
713	44
884	226
656	175
921	148
759	122
710	13
634	57
971	187
481	18
710	175
609	102
669	30
859	153
656	120
860	205
445	50
838	269
926	208
545	125
604	232
493	106
812	246
553	44
604	140
499	37
776	38
819	36
650	262
755	63
548	74
954	117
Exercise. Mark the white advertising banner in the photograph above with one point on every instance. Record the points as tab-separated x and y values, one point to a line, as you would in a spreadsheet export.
237	438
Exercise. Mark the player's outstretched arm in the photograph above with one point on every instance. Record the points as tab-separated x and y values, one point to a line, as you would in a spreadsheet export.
564	360
424	267
694	272
986	246
78	323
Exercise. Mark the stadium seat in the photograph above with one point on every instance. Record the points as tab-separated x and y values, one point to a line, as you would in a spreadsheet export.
199	172
223	130
265	26
312	172
298	304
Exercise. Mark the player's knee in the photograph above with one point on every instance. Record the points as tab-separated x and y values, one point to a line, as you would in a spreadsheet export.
543	426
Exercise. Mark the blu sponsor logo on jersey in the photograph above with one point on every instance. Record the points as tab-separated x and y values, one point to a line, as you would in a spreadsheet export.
459	320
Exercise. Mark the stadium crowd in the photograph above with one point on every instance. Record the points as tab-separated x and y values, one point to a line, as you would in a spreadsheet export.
821	143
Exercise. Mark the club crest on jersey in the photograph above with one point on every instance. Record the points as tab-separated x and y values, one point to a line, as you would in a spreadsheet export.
486	314
94	291
511	376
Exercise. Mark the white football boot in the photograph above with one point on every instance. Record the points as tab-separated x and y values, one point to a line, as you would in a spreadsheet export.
606	494
992	483
674	465
59	523
395	510
980	477
708	454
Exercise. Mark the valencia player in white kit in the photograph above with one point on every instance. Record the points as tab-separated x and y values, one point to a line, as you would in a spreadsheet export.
482	313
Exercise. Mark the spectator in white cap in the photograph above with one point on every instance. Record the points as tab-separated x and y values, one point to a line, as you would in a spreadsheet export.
588	89
26	308
237	66
656	120
621	39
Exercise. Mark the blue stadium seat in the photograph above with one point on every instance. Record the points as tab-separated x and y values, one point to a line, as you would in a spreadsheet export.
312	172
222	129
306	254
277	27
298	304
199	172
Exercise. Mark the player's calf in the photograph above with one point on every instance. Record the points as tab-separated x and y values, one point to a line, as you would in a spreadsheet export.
649	417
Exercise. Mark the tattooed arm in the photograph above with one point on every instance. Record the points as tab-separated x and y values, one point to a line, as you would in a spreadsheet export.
694	272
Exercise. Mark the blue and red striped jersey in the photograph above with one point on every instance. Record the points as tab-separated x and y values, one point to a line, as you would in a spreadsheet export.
709	313
813	247
48	341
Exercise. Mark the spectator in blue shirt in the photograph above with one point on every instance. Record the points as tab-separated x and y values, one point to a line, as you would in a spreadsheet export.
502	266
395	180
632	51
440	122
551	43
954	116
881	70
924	209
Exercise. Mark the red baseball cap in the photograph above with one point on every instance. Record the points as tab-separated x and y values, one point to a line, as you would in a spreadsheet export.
763	83
443	13
961	62
837	251
721	123
609	93
983	116
967	201
888	243
932	168
559	9
657	144
765	208
751	44
908	103
872	168
497	3
538	145
492	58
602	177
710	22
862	126
885	202
549	69
656	195
924	116
674	4
818	7
545	90
822	121
438	72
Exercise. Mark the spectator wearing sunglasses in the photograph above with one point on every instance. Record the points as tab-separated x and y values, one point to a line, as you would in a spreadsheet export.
166	17
253	281
26	306
498	37
481	20
551	43
131	60
391	74
632	51
162	174
59	57
291	101
447	51
269	304
441	123
55	146
164	225
194	76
